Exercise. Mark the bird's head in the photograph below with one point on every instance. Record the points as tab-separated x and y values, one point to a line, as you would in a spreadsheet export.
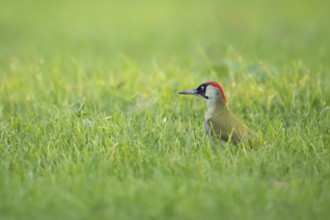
208	91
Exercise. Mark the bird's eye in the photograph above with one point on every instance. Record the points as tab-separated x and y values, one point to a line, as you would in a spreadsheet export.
202	88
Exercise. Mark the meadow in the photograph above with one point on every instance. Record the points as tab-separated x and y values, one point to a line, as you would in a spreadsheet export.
92	126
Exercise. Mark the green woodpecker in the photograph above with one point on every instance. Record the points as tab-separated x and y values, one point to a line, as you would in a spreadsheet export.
219	120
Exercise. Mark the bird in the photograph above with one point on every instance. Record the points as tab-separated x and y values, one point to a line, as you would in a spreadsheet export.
219	121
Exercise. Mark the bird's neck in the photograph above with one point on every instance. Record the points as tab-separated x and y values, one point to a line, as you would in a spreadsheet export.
216	106
216	103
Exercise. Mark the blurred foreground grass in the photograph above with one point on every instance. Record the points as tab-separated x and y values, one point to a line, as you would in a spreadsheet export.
139	150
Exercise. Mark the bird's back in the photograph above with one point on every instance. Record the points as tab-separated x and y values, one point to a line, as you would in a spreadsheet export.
225	125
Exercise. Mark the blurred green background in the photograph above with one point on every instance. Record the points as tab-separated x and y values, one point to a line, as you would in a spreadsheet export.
182	30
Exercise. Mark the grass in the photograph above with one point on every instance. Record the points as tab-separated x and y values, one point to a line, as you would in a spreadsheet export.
92	126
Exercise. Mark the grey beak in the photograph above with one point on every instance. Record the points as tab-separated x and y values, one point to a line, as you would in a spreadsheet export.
189	92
